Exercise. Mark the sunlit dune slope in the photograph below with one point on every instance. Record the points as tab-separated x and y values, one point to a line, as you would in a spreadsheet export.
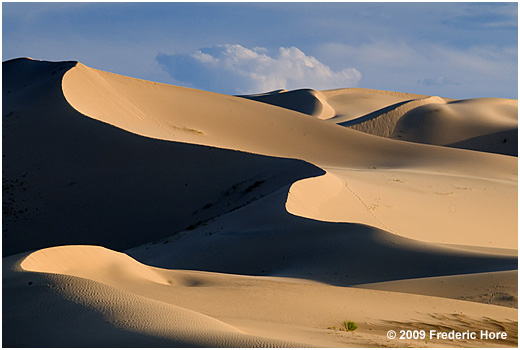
180	114
484	124
98	297
69	179
446	208
277	243
339	105
255	221
188	115
78	306
442	187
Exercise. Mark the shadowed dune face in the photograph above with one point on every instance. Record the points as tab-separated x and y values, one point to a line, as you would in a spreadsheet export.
178	114
489	125
68	179
502	142
484	124
342	254
79	305
270	247
431	208
305	101
106	310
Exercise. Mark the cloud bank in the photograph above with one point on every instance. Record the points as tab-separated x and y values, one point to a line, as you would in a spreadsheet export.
233	69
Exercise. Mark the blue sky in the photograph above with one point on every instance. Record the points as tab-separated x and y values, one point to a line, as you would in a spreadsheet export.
457	50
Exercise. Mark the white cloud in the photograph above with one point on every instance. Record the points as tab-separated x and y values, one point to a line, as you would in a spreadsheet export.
232	68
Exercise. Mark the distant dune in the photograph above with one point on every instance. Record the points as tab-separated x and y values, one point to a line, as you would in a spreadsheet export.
483	124
139	214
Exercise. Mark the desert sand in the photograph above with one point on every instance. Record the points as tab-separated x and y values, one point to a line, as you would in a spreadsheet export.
140	214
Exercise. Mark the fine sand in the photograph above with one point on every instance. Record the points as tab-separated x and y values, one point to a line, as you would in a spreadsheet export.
139	214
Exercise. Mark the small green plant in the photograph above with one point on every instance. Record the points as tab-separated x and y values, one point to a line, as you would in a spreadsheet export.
349	326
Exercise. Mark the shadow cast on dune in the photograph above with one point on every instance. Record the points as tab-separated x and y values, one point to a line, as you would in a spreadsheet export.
373	114
84	327
60	310
95	159
503	142
70	179
341	254
301	100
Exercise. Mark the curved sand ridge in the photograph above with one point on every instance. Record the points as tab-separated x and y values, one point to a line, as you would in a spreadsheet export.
375	181
95	263
431	208
483	124
356	103
117	289
125	189
186	115
338	105
174	314
307	101
445	187
382	122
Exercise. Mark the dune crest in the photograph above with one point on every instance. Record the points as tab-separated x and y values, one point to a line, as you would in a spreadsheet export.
249	224
261	128
198	313
249	126
306	101
440	205
382	122
104	311
95	263
484	124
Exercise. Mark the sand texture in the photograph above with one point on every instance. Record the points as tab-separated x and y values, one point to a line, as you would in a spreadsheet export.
139	214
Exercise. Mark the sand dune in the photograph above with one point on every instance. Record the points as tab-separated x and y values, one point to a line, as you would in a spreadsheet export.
382	122
106	316
443	205
57	163
342	254
339	105
187	115
139	214
172	316
485	124
306	101
498	288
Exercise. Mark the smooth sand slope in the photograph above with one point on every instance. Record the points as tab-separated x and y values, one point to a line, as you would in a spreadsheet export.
483	124
68	179
113	300
251	221
187	115
437	208
260	128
